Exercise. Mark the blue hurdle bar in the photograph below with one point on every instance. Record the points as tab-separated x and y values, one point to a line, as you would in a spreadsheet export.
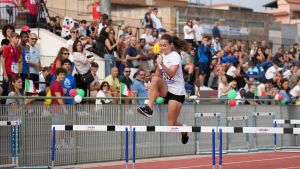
275	137
126	147
133	147
53	147
220	148
213	149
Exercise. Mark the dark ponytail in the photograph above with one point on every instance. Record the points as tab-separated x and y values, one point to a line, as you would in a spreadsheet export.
178	43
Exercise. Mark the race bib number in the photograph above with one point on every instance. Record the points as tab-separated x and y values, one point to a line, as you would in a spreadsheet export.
33	2
27	57
166	77
15	67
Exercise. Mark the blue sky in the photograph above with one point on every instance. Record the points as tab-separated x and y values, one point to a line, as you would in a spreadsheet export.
256	5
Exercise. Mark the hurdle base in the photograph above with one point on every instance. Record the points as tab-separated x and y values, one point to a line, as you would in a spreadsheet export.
8	166
267	149
209	153
253	150
34	167
289	147
238	151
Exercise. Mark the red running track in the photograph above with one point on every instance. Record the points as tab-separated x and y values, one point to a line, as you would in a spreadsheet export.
261	160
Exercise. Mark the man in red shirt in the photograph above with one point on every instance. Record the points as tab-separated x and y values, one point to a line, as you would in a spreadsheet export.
56	87
10	62
96	10
32	7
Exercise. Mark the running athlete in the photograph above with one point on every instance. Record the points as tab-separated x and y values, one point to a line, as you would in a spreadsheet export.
168	82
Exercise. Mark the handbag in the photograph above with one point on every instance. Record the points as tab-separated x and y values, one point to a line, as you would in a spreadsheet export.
87	78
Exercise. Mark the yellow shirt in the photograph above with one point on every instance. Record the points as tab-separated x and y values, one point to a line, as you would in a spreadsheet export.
112	82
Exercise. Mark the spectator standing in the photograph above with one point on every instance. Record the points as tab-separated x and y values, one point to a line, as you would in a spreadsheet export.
146	60
199	31
84	28
25	54
7	31
147	21
216	32
156	21
62	55
188	65
138	87
82	65
10	62
285	90
31	16
148	37
204	57
34	60
96	9
70	42
110	54
69	81
132	56
53	27
189	32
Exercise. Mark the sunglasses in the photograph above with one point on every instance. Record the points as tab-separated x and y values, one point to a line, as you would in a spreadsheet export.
127	71
33	38
105	85
75	32
66	53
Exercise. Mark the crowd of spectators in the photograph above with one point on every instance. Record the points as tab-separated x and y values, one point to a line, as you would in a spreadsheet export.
208	63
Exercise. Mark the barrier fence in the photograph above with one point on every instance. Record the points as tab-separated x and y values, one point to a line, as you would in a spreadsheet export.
75	147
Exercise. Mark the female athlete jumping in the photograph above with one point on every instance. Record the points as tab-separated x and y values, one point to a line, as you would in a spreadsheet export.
168	82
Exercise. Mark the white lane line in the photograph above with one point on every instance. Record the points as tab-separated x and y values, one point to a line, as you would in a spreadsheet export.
239	162
290	167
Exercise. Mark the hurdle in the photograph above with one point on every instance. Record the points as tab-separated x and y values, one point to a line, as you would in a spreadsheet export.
176	129
198	117
14	125
277	122
255	116
229	136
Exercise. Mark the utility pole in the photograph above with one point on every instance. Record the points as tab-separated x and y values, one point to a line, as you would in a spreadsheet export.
106	7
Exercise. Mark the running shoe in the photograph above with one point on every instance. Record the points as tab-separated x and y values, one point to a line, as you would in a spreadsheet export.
146	111
184	138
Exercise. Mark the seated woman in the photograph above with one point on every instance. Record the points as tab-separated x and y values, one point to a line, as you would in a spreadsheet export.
188	64
15	87
104	92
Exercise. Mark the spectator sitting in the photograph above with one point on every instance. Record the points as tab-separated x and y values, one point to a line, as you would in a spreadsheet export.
224	87
230	58
188	64
251	95
104	92
156	21
271	72
146	60
15	88
295	92
95	85
138	87
44	81
285	90
114	83
148	37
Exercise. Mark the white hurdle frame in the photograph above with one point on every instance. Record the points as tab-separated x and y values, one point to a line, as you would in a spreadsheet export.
15	142
254	117
198	116
237	118
290	122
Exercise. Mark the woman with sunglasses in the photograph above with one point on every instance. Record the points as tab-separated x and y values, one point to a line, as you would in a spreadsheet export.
62	55
168	82
110	54
104	92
